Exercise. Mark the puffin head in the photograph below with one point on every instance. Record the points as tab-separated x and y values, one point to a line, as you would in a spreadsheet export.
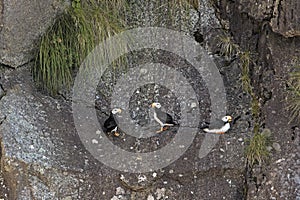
227	118
156	105
116	111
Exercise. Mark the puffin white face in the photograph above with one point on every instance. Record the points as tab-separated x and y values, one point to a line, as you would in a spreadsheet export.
227	119
116	110
156	105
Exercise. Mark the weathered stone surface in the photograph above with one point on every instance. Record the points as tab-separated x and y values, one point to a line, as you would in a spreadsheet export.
282	15
41	154
164	14
43	158
1	14
286	18
258	9
281	180
21	24
255	26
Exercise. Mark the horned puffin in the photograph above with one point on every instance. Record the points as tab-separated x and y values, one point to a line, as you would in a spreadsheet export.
110	125
165	120
219	126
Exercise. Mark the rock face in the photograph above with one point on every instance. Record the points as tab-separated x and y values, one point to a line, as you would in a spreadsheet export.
271	30
286	18
42	157
282	15
1	15
21	24
40	145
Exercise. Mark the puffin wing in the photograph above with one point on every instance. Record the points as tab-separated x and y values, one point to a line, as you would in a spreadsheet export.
110	124
164	117
215	126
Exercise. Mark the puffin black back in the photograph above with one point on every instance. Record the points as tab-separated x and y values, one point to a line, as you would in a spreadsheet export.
110	123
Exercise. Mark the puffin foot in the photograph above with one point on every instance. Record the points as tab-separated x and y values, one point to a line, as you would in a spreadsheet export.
220	133
166	128
117	134
161	130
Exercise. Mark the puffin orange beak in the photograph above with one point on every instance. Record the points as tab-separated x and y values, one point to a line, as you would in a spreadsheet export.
153	105
229	119
119	110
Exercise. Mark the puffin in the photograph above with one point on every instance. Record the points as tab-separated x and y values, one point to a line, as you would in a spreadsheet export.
165	120
110	125
219	126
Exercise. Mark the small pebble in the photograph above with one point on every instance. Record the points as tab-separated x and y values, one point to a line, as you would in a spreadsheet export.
142	178
276	146
150	197
193	105
94	141
280	160
269	148
114	198
120	191
267	132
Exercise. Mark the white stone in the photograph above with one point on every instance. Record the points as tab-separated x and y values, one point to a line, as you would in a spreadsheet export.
150	197
94	141
114	198
142	178
193	105
120	191
160	192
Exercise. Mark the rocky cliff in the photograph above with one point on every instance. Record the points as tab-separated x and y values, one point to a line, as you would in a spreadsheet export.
22	23
42	157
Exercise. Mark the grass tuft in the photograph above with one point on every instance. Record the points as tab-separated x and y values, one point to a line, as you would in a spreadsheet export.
228	48
72	36
245	61
294	93
80	28
257	152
